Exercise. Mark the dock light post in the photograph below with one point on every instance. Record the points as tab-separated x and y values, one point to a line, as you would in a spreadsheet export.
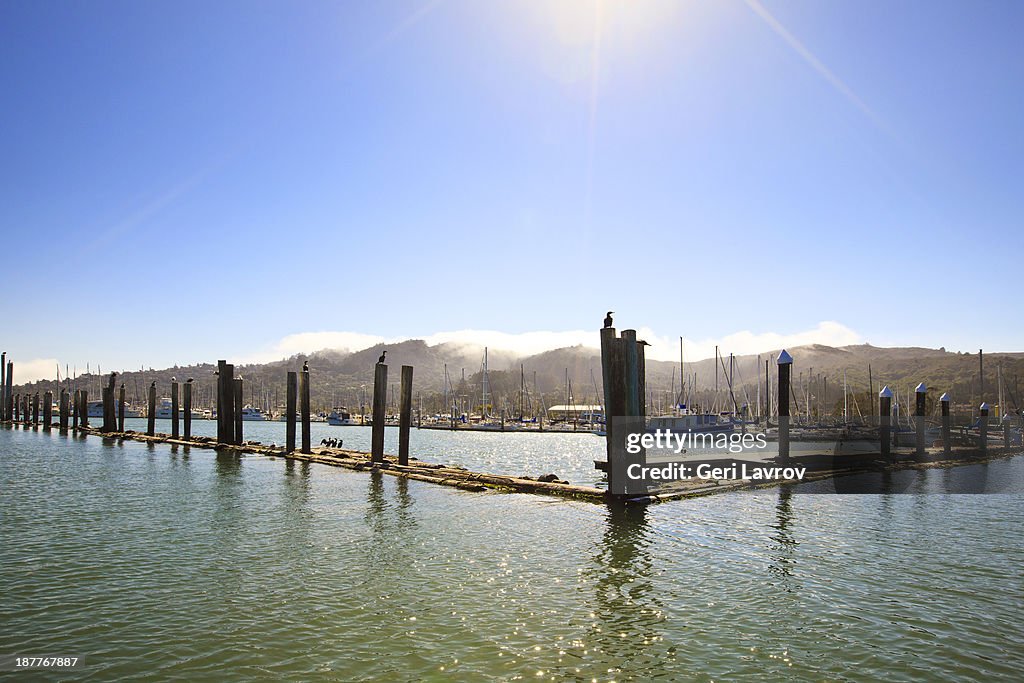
785	363
983	429
885	421
920	393
944	401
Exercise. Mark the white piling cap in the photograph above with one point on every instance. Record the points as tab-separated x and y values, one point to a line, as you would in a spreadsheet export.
984	406
1006	417
785	358
944	398
921	389
886	392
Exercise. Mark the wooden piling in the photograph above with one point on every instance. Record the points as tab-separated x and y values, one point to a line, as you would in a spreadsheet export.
187	409
3	387
109	412
76	404
608	341
84	410
1006	430
237	397
921	393
291	392
405	415
47	410
227	402
120	408
630	366
983	429
16	408
885	421
221	370
174	410
63	410
307	444
785	363
641	377
946	445
380	398
151	411
107	396
35	409
9	404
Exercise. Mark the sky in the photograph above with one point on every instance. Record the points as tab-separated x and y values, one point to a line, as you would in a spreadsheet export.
189	181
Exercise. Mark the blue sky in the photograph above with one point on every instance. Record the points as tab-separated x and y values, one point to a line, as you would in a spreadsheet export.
187	181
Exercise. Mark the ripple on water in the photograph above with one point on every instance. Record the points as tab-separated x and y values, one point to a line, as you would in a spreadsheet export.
161	565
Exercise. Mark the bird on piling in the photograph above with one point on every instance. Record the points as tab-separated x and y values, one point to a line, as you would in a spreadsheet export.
305	366
641	342
188	381
174	379
153	383
608	319
380	361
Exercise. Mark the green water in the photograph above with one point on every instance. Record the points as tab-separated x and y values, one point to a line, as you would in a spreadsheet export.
154	563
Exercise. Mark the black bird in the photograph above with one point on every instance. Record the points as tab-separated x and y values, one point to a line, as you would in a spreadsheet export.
608	319
380	361
174	379
641	342
153	383
189	380
305	366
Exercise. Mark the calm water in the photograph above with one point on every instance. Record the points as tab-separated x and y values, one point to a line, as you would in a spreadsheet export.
154	563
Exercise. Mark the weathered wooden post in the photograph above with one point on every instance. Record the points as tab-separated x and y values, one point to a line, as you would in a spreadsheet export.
174	408
47	410
226	384
151	411
238	393
608	342
3	387
108	398
84	410
946	446
120	408
1006	430
885	421
291	393
63	410
16	408
404	415
983	429
75	406
785	362
380	399
8	404
631	367
641	377
307	445
921	393
188	408
221	365
35	409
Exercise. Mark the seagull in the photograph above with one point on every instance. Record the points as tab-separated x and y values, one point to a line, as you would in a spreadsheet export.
174	379
608	319
380	361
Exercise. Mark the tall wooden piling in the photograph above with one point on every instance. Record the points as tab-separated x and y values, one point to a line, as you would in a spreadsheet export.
47	410
120	408
641	376
946	445
3	387
983	429
75	402
785	362
307	441
404	415
885	421
380	399
237	395
84	410
151	411
187	417
35	409
221	431
1006	430
921	393
226	401
63	410
608	343
9	403
630	365
291	393
174	409
109	412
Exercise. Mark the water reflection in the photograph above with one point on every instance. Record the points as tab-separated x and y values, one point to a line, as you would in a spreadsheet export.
391	524
627	610
782	550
